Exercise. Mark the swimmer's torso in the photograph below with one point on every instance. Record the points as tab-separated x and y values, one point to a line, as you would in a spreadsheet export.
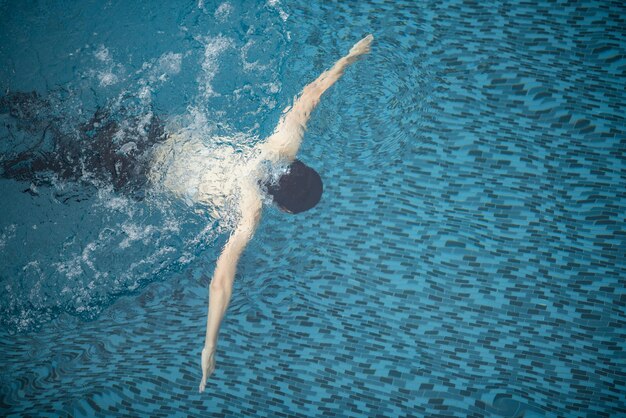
186	167
210	175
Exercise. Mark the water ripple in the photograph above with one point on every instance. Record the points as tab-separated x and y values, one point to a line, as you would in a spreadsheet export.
381	80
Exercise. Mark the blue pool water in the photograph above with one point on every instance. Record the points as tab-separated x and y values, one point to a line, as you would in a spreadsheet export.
468	257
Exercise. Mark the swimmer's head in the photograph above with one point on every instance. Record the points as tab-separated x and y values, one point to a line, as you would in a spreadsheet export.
299	189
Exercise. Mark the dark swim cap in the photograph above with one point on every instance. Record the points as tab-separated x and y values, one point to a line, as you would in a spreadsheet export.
299	189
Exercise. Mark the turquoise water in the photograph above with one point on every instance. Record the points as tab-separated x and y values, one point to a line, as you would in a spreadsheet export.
467	258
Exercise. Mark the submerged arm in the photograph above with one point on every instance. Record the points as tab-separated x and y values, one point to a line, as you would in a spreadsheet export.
222	283
286	139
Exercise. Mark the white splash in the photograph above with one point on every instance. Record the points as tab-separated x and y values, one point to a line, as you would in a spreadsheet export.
274	87
247	65
106	76
149	234
114	201
128	147
86	255
133	277
276	5
213	47
153	74
145	95
136	233
7	235
194	121
71	268
103	54
169	64
223	11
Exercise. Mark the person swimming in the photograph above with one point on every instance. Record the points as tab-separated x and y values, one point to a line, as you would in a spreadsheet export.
181	164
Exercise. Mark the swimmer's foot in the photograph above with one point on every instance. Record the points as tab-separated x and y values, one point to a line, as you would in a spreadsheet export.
361	47
208	366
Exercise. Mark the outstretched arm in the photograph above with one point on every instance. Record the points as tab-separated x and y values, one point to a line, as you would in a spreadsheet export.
286	139
222	283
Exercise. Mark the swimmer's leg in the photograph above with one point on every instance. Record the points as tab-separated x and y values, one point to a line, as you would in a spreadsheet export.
122	156
98	150
30	134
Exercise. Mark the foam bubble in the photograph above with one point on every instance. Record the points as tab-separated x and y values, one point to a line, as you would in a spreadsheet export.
213	47
128	147
107	78
109	72
115	202
136	233
70	269
170	63
223	11
102	54
7	234
250	65
276	5
274	87
86	255
145	95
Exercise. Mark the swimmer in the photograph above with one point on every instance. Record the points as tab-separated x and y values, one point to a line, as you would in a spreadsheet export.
298	190
143	154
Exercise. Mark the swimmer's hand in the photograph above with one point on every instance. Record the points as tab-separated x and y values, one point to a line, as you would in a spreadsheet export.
360	48
208	366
